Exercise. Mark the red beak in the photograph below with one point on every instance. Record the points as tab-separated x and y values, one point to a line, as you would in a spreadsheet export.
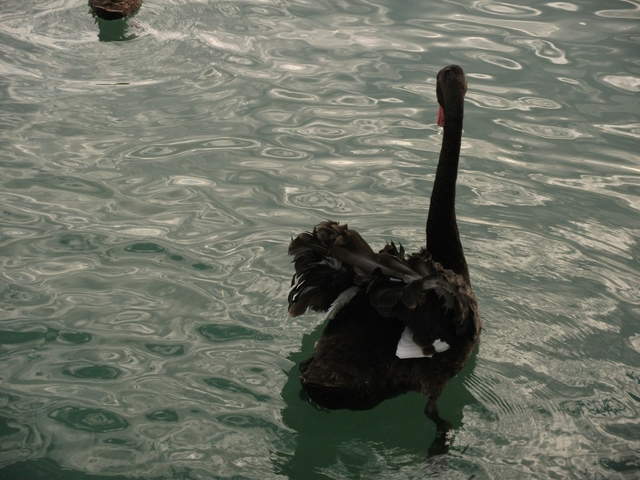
440	117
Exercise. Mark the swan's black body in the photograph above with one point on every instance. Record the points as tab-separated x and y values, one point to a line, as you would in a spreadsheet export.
114	9
354	364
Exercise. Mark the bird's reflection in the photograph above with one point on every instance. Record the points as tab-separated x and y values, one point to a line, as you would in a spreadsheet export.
113	30
399	424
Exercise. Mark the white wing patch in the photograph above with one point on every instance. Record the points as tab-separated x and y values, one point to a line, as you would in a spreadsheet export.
408	348
440	345
298	283
343	299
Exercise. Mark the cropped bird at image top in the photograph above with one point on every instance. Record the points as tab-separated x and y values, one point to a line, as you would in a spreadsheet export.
114	9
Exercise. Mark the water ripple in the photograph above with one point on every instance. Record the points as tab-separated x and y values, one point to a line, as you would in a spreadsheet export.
624	82
89	419
505	9
628	130
627	13
532	28
151	186
166	150
542	131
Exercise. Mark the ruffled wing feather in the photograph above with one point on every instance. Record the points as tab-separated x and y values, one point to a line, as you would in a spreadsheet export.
436	304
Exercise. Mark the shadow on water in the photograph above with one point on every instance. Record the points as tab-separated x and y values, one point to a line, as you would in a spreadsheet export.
46	469
348	440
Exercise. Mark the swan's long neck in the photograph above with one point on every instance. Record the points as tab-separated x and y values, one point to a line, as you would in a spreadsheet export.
443	239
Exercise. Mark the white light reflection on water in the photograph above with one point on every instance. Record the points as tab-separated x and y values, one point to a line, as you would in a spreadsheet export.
150	188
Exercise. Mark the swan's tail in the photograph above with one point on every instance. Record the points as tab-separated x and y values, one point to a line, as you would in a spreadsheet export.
320	276
331	259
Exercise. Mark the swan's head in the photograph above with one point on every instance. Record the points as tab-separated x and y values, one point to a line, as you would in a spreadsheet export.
451	87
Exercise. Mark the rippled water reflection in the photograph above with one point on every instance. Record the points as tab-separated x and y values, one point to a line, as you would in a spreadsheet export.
150	187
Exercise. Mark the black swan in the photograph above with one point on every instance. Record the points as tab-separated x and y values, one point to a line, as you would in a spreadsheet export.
114	9
395	323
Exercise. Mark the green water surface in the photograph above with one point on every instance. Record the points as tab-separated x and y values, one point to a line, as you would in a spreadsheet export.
152	173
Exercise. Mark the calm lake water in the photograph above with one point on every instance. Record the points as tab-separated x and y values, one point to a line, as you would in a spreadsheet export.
150	187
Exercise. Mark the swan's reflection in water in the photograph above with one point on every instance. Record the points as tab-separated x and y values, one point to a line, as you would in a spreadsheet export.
116	30
333	439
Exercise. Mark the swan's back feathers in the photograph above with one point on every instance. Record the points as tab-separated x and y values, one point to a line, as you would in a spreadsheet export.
433	302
